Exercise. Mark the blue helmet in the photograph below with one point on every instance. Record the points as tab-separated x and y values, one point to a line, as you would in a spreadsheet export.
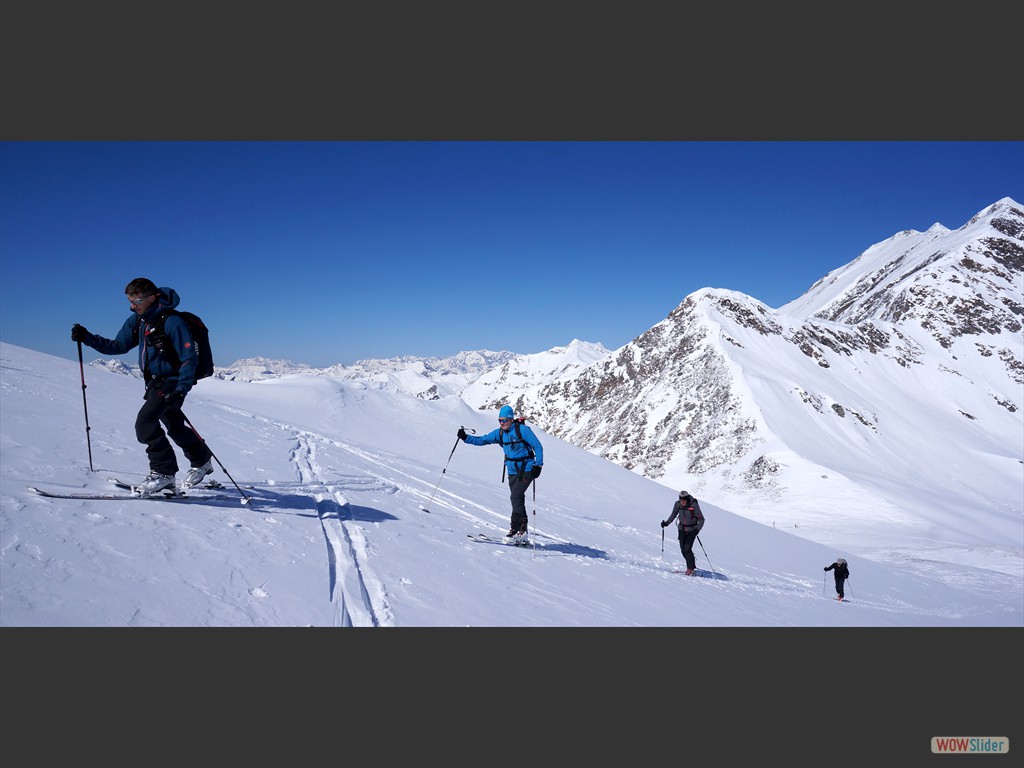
506	412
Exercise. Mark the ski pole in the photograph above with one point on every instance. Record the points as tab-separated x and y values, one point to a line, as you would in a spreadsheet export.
457	441
851	589
534	514
706	555
663	542
245	499
824	583
85	405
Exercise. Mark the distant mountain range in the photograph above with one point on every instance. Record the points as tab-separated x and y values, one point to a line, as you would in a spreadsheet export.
910	359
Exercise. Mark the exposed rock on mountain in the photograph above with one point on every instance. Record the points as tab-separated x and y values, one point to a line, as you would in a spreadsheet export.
705	399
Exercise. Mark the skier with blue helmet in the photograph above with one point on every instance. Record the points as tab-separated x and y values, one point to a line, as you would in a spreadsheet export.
524	457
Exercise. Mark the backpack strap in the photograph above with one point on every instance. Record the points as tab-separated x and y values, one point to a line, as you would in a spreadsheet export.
140	329
520	463
519	438
165	349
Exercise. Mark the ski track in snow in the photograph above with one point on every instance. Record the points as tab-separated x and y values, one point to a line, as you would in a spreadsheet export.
360	596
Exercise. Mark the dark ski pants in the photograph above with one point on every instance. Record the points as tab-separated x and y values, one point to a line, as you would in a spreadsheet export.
686	547
839	587
517	485
148	430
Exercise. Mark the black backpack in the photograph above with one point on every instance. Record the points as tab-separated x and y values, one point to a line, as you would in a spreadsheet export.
200	336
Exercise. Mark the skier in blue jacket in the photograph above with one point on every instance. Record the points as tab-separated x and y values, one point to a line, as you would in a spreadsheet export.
167	383
524	457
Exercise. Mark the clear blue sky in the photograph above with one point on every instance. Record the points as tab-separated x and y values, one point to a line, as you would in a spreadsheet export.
329	252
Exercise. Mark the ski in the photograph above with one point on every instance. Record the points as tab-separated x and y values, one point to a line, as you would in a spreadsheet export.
129	497
504	542
699	572
211	485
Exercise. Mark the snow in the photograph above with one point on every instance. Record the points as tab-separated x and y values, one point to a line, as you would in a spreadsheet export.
340	472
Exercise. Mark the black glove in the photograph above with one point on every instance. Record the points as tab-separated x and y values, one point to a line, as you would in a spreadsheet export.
825	568
461	434
664	523
174	400
536	471
78	333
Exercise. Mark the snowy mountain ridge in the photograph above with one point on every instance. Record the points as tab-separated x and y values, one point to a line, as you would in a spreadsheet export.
721	396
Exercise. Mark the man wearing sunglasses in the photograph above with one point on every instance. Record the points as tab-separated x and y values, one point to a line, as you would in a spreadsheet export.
167	383
524	456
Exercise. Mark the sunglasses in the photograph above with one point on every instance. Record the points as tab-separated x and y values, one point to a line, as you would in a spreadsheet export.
504	421
136	302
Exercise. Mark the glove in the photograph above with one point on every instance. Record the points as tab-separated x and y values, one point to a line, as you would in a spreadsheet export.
174	400
78	333
461	434
825	568
664	523
536	471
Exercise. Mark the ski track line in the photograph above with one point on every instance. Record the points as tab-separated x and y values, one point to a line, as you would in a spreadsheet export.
376	458
361	453
390	462
353	588
345	539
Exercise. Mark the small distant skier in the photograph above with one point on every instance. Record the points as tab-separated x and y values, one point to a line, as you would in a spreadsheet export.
524	457
842	573
690	521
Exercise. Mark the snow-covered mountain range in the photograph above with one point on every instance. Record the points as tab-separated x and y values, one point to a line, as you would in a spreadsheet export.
740	402
728	396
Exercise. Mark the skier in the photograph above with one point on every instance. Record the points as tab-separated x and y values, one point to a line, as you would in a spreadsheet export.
166	385
690	521
842	573
524	457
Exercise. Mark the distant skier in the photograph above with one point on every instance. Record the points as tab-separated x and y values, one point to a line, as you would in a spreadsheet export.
842	573
690	521
524	457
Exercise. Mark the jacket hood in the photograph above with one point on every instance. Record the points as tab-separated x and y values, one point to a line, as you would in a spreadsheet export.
168	299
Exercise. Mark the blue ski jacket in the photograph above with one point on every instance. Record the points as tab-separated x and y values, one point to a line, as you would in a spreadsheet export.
135	333
520	455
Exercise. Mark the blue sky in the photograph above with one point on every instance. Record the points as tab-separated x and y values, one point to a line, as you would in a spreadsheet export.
330	252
